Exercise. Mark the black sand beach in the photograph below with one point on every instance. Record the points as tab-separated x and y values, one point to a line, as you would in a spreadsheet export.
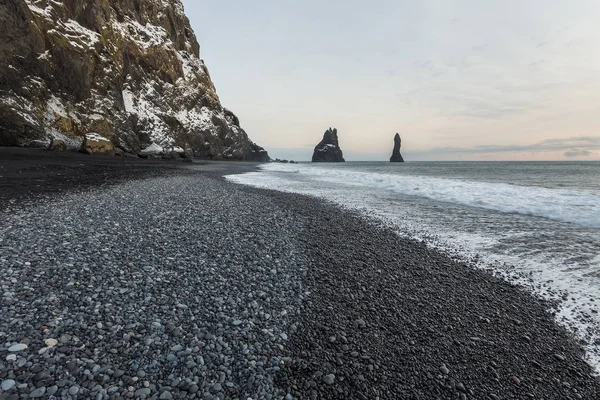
133	278
28	174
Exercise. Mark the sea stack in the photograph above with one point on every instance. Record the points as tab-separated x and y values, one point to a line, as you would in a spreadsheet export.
328	150
396	156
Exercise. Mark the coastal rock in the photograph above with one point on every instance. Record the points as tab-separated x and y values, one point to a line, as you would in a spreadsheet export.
256	153
328	150
95	144
127	70
396	156
57	145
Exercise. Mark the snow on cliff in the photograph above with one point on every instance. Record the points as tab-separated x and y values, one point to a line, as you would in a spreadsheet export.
129	71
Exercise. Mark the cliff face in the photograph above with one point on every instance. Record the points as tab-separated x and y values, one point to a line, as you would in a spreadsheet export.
328	150
128	70
396	156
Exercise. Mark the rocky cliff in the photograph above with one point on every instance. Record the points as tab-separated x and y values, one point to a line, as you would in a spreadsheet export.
396	156
128	70
328	150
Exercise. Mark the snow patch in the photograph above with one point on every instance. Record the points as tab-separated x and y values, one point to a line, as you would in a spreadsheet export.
94	137
153	149
145	36
21	106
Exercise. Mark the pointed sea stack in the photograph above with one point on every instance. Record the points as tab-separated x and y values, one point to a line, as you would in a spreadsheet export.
329	149
396	156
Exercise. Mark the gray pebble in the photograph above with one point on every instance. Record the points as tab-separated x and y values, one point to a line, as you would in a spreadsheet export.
17	347
7	384
142	392
166	395
39	392
444	370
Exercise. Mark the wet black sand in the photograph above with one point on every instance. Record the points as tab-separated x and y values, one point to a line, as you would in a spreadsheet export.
29	174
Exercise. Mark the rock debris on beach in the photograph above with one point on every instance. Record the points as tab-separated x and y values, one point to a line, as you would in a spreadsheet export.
164	288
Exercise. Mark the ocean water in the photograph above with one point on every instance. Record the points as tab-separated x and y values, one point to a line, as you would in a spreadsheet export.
536	224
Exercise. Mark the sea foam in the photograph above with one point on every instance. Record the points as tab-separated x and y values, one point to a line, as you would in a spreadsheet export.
563	205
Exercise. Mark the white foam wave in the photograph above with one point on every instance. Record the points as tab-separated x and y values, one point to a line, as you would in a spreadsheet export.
563	205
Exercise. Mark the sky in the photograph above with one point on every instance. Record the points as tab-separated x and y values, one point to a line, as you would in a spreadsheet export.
459	80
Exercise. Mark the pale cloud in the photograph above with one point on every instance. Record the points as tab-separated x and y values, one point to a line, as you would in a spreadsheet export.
578	153
576	146
582	142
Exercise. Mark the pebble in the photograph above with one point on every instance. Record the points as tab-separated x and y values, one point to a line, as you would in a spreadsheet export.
50	342
7	384
17	347
166	395
142	392
73	390
39	392
329	379
444	370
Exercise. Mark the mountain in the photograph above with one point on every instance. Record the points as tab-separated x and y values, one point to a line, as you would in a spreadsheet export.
128	70
328	150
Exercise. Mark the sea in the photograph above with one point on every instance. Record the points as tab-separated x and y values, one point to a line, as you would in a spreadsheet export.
535	224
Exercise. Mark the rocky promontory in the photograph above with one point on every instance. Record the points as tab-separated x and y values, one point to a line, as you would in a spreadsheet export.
125	70
396	156
328	150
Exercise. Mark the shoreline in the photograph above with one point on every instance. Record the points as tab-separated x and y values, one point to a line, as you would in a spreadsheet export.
292	290
418	304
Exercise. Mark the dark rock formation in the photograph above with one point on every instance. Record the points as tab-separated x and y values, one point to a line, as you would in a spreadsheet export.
328	150
396	156
95	144
128	70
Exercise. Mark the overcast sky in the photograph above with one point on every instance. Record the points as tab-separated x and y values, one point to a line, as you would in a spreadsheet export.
461	79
